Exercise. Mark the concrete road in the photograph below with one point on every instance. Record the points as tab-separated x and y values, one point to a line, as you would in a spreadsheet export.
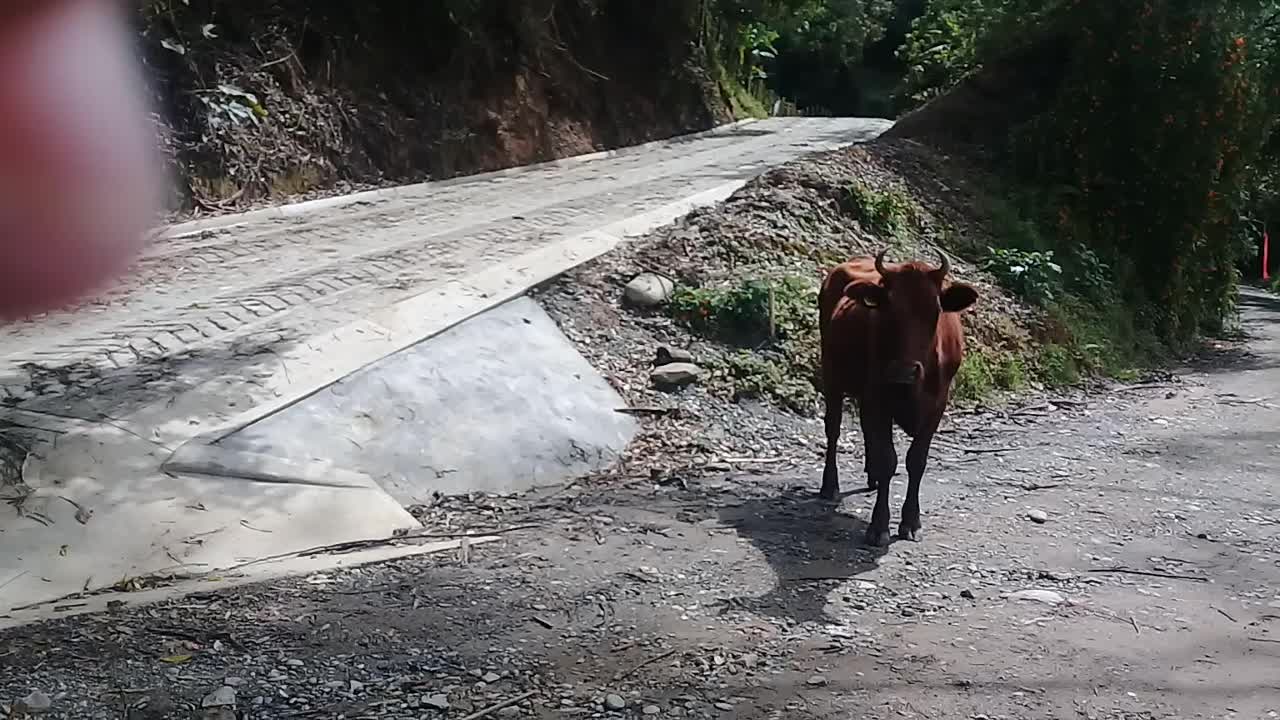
220	327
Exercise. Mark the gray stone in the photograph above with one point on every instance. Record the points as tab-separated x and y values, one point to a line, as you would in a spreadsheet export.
667	355
37	702
817	680
1048	597
224	696
436	702
1038	516
648	290
614	702
675	375
651	710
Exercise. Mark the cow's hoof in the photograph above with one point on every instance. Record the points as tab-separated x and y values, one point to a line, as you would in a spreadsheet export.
909	533
827	495
878	538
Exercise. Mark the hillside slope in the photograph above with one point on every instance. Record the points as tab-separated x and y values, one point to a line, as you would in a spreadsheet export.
261	101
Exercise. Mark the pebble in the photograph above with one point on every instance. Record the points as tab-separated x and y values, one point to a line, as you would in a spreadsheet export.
727	707
817	680
967	594
491	677
613	701
437	702
1038	516
1048	597
648	290
651	710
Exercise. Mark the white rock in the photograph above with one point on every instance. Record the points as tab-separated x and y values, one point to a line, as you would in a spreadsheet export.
37	702
224	696
437	702
651	710
817	680
1038	516
675	374
648	290
491	677
1048	597
614	702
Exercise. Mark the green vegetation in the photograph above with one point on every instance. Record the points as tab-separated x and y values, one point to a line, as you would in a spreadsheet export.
1159	142
775	325
888	213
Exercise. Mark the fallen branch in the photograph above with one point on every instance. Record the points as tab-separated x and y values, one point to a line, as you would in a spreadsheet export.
498	706
644	664
1224	614
1149	573
984	451
1265	640
656	411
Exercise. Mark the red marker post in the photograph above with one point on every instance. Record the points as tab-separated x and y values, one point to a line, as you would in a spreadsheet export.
1266	252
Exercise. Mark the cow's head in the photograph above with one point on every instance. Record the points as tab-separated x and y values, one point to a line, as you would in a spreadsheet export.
910	296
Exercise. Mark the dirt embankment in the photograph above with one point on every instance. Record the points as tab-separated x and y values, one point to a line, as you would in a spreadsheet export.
286	98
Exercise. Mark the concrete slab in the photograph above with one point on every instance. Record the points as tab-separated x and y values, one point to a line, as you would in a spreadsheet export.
501	403
97	512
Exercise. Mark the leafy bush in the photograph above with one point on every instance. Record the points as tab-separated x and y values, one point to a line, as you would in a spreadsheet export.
1032	275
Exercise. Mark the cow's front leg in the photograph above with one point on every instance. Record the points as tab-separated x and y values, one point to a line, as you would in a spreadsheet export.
831	472
917	458
882	461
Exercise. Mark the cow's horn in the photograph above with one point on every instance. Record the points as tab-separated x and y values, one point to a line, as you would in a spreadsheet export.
880	261
945	267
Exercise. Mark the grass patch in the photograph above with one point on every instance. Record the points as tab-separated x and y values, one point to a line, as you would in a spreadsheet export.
984	373
889	212
773	322
742	104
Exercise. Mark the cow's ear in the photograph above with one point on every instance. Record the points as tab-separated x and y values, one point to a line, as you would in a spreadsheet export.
958	297
870	294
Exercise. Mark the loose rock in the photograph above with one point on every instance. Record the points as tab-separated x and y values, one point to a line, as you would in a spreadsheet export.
667	355
614	702
651	710
1048	597
675	374
649	290
37	703
224	696
437	702
1038	516
817	680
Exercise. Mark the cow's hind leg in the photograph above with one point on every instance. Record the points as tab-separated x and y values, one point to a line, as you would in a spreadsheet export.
831	472
882	461
917	458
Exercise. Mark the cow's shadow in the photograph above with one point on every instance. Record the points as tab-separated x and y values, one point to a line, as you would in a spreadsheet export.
809	544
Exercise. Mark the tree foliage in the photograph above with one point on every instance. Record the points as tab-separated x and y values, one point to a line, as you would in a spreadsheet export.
1159	146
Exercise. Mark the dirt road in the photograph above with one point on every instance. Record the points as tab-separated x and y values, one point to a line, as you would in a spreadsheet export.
1109	555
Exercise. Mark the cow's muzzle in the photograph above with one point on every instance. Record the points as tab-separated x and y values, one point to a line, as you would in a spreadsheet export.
905	373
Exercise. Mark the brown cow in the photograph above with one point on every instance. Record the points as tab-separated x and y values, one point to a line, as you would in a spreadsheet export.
891	341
